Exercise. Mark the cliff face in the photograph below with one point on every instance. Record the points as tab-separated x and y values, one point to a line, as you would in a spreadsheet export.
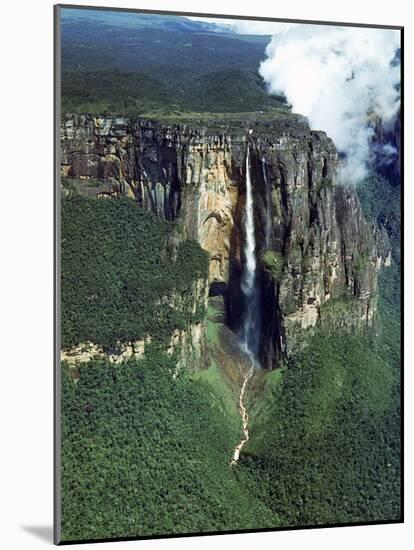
313	244
169	170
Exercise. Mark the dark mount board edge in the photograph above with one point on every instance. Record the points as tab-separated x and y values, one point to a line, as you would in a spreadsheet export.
57	378
56	274
402	260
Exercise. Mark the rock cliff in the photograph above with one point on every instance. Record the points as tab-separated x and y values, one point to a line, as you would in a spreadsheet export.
314	246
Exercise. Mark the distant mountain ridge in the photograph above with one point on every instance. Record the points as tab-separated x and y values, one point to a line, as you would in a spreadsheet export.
131	19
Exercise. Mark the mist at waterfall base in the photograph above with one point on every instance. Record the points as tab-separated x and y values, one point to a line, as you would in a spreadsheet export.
251	325
341	79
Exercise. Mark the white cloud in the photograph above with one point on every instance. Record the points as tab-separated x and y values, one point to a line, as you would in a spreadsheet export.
336	76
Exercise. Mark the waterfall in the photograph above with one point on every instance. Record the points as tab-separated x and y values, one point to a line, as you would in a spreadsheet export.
268	226
251	322
250	331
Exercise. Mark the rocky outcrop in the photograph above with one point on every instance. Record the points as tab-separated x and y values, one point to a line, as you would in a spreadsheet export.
313	244
88	350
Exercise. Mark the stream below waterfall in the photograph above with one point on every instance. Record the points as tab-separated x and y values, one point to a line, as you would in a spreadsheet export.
244	416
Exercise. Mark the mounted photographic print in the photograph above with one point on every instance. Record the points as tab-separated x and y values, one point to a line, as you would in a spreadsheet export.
228	252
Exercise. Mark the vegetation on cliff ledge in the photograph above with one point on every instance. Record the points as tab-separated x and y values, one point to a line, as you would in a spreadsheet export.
273	262
122	276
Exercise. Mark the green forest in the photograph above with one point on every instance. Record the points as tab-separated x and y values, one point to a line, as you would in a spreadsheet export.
328	449
118	259
145	453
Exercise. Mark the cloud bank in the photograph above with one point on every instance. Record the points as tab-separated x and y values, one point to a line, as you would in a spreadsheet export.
338	77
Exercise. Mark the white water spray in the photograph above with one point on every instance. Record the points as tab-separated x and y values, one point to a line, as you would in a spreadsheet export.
251	322
249	248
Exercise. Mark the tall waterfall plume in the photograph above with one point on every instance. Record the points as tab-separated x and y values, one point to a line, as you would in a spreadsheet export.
251	322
